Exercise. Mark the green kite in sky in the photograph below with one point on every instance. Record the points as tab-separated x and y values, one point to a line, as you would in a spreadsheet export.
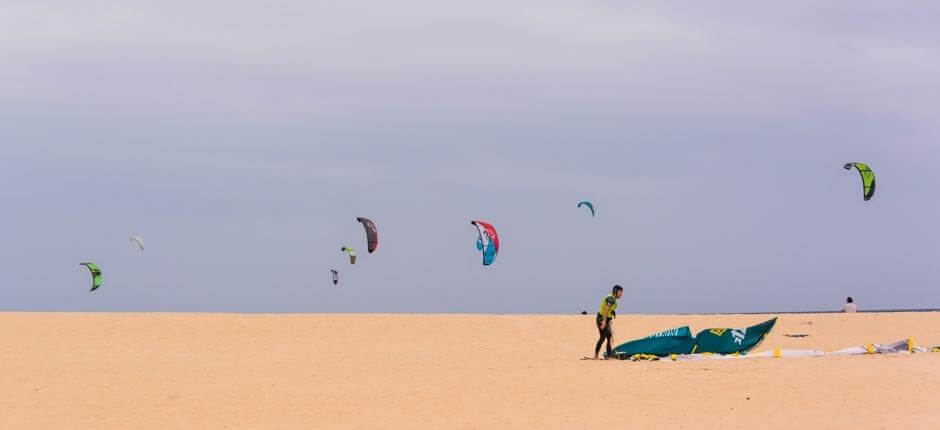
868	178
95	275
351	253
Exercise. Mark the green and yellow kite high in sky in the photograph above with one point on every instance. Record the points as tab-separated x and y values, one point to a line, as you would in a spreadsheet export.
868	178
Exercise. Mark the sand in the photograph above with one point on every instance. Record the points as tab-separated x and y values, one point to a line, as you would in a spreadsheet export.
211	371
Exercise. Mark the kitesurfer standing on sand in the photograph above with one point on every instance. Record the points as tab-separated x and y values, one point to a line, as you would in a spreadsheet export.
605	315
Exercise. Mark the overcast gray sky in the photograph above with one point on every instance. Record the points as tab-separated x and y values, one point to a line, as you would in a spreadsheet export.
242	139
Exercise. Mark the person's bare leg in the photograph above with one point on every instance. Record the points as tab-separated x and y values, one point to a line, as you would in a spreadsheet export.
597	348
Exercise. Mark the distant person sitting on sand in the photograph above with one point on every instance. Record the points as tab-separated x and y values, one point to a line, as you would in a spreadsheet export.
605	315
849	306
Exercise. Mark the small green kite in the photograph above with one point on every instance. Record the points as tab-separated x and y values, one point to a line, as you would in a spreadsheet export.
95	275
868	178
351	253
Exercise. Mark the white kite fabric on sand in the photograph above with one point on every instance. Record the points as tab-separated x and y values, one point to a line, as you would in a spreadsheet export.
906	346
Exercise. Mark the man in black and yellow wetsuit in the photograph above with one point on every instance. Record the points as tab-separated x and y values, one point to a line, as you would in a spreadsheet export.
605	314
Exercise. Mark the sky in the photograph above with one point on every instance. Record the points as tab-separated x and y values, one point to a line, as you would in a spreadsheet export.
241	140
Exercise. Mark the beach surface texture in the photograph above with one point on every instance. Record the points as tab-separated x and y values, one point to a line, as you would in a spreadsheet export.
365	371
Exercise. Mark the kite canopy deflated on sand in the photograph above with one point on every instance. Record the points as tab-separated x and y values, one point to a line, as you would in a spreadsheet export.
372	233
488	241
868	178
95	275
904	346
712	340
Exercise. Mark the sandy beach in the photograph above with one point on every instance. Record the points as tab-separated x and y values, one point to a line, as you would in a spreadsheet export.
166	370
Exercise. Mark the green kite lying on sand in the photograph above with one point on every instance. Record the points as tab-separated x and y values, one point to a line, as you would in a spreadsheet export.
678	344
711	340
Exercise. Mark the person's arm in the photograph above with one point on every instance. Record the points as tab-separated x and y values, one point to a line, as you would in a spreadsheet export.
606	311
608	307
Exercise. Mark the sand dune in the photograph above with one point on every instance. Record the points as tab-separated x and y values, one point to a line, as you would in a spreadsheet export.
102	370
